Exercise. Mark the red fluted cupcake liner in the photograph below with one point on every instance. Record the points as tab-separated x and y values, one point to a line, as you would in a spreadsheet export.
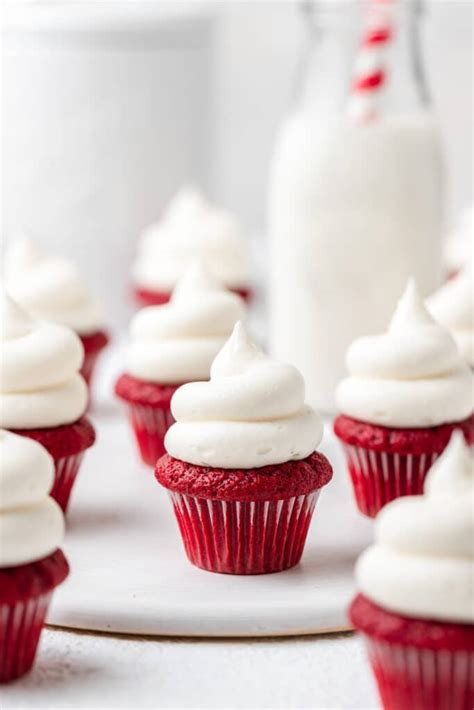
25	593
385	463
148	297
65	472
379	477
150	425
21	624
251	537
421	678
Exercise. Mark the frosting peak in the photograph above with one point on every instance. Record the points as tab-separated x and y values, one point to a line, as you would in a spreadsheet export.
410	376
191	229
422	562
452	474
49	287
410	311
250	414
453	306
40	385
31	523
176	342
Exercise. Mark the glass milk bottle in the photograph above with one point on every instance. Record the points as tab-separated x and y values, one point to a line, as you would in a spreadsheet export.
356	190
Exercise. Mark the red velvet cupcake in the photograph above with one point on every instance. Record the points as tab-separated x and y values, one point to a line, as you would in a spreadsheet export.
191	229
170	345
241	469
415	610
31	565
50	288
407	391
43	396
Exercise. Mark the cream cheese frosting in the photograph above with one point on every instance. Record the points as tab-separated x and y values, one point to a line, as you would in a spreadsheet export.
177	342
50	288
410	376
40	384
422	562
251	413
191	229
31	523
453	306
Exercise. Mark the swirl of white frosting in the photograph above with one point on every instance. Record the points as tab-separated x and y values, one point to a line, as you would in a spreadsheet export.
411	376
191	229
177	342
31	523
50	288
250	414
453	306
422	563
40	384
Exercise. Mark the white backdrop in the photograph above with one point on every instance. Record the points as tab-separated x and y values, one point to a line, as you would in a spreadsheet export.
107	108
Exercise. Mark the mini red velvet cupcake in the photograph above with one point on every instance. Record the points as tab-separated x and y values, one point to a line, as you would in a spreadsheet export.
407	391
191	229
170	345
42	394
415	610
51	288
241	470
31	565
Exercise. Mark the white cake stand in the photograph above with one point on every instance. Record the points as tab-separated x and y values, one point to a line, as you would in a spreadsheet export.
129	573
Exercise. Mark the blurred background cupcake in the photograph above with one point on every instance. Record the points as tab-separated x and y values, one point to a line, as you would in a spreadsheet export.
50	288
190	229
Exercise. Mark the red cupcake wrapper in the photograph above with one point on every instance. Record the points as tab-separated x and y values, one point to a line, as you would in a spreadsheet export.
421	678
379	477
20	629
66	470
150	425
244	537
148	297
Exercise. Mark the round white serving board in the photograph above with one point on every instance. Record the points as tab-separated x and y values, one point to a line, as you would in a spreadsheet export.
129	573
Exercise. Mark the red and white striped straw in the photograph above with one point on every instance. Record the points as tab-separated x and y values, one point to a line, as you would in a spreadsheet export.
370	70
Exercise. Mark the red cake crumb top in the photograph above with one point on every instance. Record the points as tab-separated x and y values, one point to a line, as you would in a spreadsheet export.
61	441
400	441
150	393
421	633
267	483
93	342
32	579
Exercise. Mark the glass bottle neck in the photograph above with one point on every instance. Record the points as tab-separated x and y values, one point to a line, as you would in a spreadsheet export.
334	32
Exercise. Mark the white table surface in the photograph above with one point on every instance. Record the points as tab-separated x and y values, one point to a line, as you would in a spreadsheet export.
80	670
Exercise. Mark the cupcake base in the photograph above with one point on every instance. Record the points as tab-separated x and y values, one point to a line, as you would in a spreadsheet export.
149	297
25	593
420	664
244	522
93	344
385	463
149	412
67	445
